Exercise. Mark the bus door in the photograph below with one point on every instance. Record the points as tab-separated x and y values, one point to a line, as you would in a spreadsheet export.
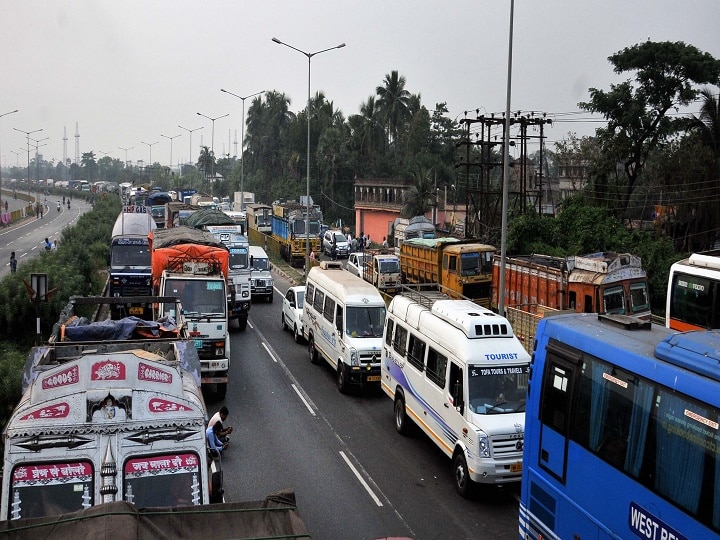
555	407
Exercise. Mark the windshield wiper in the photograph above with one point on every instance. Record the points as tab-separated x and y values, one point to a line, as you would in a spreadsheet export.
496	406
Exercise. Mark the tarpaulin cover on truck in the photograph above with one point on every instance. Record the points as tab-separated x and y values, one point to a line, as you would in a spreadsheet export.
208	216
185	243
276	516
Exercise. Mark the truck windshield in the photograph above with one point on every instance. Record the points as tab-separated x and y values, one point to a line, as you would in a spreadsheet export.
314	228
366	321
238	258
124	255
497	389
470	264
390	266
614	299
199	297
51	489
171	480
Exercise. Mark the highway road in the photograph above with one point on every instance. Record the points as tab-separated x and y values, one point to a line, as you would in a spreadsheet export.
26	238
354	476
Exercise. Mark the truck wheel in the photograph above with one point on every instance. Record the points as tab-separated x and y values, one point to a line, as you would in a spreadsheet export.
221	391
342	381
402	422
463	482
284	324
297	334
312	350
242	322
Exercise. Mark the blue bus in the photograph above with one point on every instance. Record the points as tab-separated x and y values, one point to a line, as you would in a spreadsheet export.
621	431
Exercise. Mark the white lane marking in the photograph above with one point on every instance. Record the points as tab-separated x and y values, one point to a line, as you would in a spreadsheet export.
302	398
271	354
250	325
361	479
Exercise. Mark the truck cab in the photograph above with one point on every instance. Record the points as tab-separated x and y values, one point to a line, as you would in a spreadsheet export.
382	269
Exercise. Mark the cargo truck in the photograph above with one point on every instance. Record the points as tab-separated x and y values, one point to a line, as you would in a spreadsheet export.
192	265
463	268
381	267
130	271
604	282
289	229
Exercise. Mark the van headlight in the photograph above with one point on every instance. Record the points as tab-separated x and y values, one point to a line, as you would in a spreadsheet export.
483	445
354	358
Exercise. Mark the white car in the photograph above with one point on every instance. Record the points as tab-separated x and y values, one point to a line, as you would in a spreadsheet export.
342	245
355	263
292	311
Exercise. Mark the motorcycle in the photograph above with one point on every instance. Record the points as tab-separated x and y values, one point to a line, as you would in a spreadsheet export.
58	207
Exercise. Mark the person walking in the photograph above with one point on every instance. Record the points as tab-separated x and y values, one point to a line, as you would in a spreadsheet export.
13	263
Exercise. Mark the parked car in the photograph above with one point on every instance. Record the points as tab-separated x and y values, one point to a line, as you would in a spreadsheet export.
355	263
292	311
341	243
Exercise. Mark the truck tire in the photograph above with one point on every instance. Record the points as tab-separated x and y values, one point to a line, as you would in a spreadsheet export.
312	351
342	381
463	482
221	390
402	422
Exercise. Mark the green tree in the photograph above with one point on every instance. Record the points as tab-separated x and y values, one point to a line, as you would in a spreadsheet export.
421	196
393	104
637	112
88	163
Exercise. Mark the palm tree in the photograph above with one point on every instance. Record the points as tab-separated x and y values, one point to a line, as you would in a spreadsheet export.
708	123
419	198
89	164
393	104
206	160
366	129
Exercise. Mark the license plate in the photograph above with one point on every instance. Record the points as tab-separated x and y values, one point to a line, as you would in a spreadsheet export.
373	378
135	311
516	467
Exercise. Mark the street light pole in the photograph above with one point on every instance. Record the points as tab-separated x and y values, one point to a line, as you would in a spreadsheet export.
150	145
212	143
126	151
190	131
242	145
171	140
307	202
27	136
1	115
37	158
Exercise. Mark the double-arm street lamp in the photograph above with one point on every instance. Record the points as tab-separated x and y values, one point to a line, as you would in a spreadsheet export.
212	142
190	131
242	145
27	136
150	144
307	202
171	140
37	158
126	151
1	115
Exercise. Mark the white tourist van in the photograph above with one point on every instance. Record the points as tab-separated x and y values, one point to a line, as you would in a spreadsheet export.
343	319
458	372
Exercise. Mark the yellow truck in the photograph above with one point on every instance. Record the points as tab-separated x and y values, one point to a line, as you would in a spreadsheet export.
460	267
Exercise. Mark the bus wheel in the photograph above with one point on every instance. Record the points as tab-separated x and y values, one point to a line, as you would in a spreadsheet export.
342	378
401	420
312	351
463	482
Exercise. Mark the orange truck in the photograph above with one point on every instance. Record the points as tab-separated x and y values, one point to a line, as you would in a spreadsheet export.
459	267
603	282
192	265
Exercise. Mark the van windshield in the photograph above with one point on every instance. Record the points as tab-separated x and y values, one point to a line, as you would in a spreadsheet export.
497	389
365	321
259	263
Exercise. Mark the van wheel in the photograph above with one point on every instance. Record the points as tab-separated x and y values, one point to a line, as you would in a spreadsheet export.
270	298
342	378
463	482
401	420
297	335
312	351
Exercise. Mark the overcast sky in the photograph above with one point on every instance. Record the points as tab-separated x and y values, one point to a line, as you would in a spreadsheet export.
128	72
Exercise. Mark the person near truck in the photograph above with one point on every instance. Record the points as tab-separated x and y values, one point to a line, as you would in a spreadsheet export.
220	417
215	445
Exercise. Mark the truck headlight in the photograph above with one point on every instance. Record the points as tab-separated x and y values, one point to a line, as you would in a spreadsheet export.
483	445
354	358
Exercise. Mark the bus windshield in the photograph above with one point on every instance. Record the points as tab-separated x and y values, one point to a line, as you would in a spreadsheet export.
365	321
497	389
